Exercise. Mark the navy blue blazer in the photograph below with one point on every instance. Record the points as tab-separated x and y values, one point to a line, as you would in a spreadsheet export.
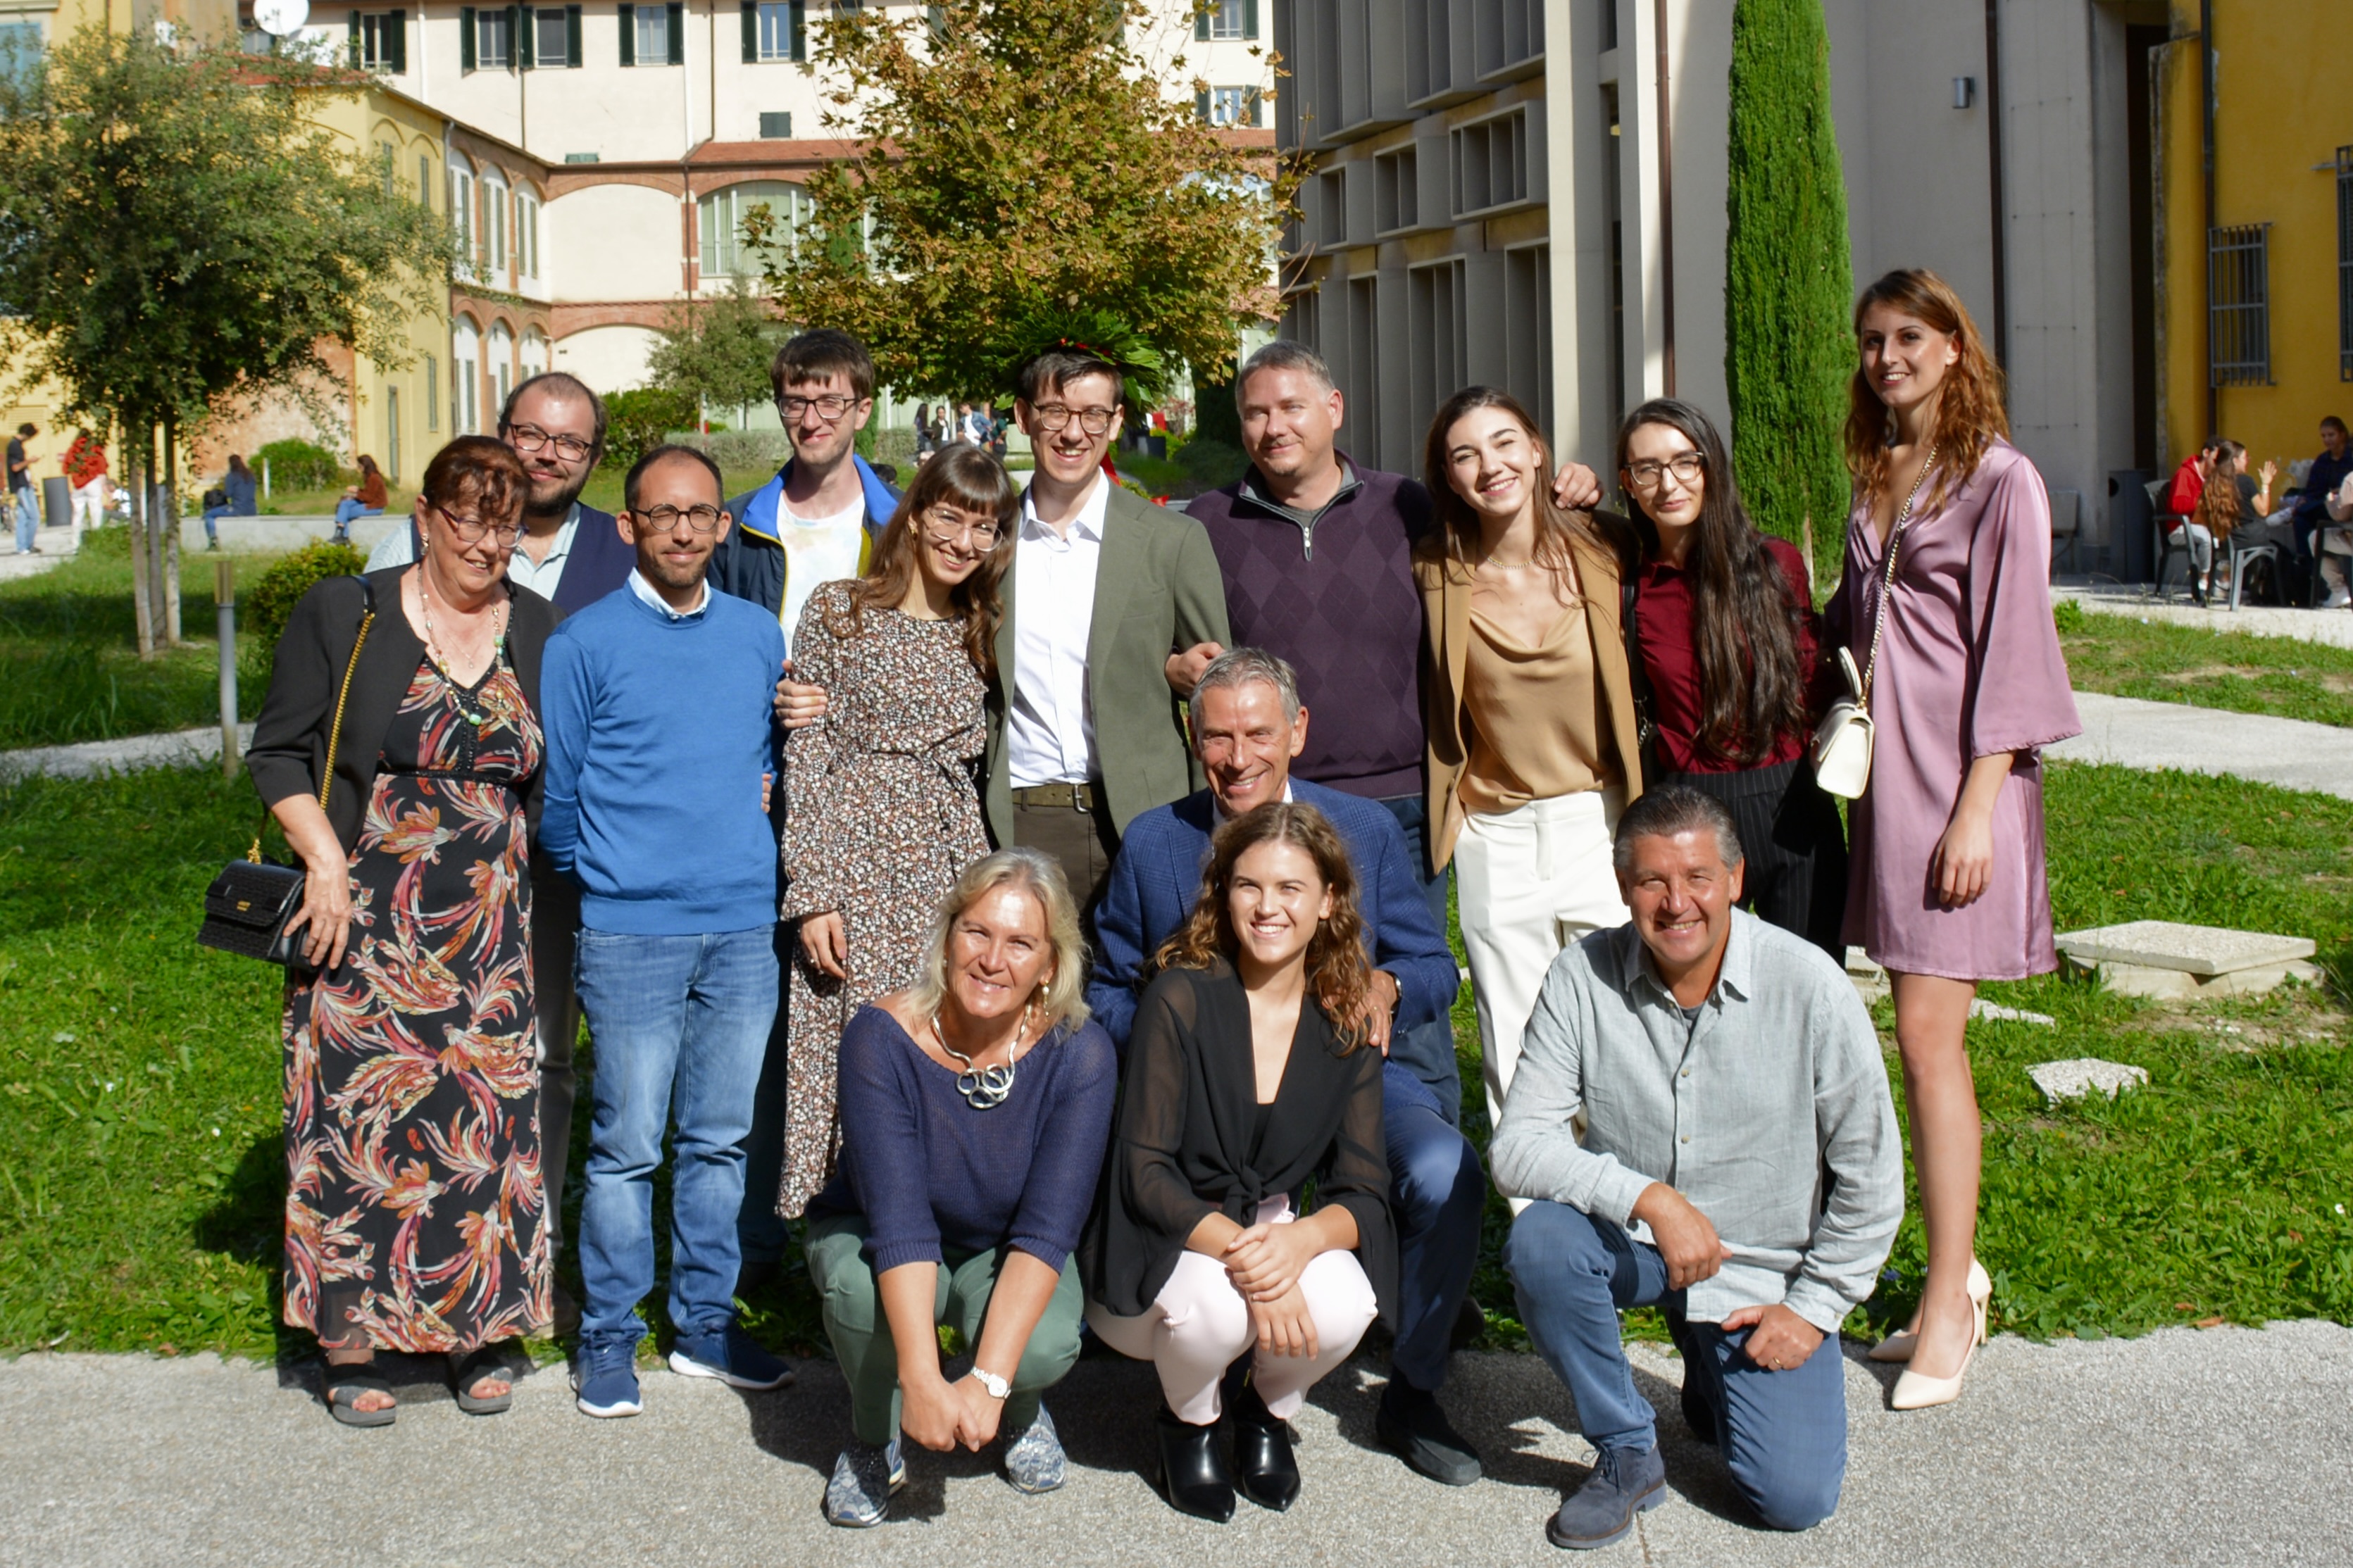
1154	883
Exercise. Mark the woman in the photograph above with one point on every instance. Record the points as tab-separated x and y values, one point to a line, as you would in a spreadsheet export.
882	808
927	439
975	1107
1947	886
2229	499
1532	746
1243	1085
1721	623
235	499
414	1210
366	498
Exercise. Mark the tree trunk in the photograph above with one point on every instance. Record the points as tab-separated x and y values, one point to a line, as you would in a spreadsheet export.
136	468
155	531
172	531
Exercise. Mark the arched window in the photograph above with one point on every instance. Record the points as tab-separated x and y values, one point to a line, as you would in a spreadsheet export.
534	352
494	224
465	378
501	357
720	219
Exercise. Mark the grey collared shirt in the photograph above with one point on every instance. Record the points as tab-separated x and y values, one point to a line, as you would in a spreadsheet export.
1770	1114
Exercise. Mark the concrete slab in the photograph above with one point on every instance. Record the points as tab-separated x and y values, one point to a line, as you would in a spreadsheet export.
2334	628
2288	752
86	759
2079	1075
2194	949
285	533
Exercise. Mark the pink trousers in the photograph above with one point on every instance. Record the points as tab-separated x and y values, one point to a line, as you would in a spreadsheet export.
1199	1324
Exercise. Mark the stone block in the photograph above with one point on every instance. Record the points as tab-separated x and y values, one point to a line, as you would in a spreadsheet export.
2254	982
2192	950
2140	980
2079	1075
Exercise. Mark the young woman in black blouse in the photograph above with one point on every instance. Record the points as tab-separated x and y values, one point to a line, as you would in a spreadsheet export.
1239	1088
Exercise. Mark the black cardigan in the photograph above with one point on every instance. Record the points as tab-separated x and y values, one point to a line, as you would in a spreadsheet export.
290	737
1181	1141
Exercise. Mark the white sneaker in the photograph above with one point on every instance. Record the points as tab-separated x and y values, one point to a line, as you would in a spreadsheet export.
2340	600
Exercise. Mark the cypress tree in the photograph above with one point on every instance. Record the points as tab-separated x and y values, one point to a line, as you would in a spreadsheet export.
1789	283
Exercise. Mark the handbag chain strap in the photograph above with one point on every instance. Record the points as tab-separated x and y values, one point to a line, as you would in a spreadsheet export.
334	730
1887	582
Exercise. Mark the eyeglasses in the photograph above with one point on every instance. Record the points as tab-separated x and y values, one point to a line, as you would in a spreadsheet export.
1686	467
1053	416
830	407
943	527
532	438
470	529
663	518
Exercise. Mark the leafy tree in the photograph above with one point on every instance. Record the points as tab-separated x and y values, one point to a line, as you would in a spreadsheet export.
1020	162
1788	280
637	421
715	352
183	240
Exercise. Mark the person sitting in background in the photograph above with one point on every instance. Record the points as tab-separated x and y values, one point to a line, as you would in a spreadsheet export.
2333	545
2189	479
2229	499
1737	1166
235	499
2327	471
1249	1073
975	1108
366	498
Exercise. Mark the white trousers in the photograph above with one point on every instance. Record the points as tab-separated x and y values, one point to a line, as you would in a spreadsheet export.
89	506
1199	1324
1530	882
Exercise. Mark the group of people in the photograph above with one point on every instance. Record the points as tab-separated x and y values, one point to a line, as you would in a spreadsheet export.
2211	497
973	424
1036	894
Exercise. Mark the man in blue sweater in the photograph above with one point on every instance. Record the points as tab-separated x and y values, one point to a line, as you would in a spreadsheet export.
1247	725
660	729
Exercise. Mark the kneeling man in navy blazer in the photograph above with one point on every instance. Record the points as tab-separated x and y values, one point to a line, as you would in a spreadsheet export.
1247	726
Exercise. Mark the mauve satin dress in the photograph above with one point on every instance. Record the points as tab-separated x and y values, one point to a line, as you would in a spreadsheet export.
1969	666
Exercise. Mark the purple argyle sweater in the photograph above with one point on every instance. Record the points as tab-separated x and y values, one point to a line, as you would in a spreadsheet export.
1344	612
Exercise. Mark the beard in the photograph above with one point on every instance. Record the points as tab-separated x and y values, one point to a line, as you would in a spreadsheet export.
553	498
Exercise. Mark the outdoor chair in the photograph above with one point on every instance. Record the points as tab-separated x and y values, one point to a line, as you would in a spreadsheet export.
2240	555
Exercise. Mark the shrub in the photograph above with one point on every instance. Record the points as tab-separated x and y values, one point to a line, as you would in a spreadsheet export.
298	466
1210	462
744	455
635	423
265	608
110	542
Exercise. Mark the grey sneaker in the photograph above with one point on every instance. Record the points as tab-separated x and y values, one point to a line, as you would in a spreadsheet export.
1033	1461
1602	1510
864	1477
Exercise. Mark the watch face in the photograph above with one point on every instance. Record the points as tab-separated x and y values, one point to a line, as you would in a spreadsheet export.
280	17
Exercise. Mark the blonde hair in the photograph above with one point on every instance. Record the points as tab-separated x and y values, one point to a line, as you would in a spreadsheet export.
1969	414
1039	875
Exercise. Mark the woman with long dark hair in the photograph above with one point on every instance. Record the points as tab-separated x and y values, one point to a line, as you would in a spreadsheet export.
1721	622
1246	1077
1532	735
1947	571
366	498
882	808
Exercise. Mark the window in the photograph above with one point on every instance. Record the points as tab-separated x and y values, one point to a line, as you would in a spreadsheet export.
20	50
1219	20
1397	200
432	392
392	433
465	378
555	37
1491	160
533	353
2345	264
501	365
1436	340
776	125
492	37
775	30
1227	105
1527	328
653	34
461	213
494	226
384	163
424	181
380	41
526	234
720	219
2238	294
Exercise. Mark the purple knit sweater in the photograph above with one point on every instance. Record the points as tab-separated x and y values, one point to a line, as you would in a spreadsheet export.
1344	612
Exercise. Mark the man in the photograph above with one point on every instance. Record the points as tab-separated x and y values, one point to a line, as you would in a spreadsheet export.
1316	556
1247	726
2329	471
1738	1166
22	497
660	731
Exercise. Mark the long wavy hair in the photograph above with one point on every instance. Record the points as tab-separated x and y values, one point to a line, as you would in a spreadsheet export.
1338	977
2220	506
1557	526
1063	994
1969	415
966	477
1743	619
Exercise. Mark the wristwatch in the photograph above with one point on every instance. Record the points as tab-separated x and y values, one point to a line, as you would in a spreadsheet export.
997	1387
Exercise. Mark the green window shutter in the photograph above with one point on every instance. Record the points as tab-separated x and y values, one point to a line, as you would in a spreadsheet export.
572	36
750	32
465	37
800	30
1201	106
1250	18
678	35
1257	108
399	41
629	35
1201	23
519	20
357	57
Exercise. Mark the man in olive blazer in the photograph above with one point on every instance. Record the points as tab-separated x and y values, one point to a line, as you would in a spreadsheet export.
1111	607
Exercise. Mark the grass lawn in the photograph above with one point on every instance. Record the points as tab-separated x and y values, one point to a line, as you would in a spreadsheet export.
2124	655
139	1164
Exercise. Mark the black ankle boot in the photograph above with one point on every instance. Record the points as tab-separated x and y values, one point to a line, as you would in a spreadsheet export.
1193	1472
1264	1470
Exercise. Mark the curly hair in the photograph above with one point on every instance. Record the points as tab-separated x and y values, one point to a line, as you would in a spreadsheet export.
1969	415
966	477
2220	506
1338	976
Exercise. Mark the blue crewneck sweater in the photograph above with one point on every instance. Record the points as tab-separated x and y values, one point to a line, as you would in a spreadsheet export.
658	727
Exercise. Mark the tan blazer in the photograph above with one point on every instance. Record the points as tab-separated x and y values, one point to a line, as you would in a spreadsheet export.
1445	587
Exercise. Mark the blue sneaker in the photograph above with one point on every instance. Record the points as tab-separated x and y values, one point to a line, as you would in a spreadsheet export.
732	1356
605	1378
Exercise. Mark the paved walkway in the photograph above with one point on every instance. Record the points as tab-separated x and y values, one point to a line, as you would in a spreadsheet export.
2224	1447
2289	753
2332	627
86	759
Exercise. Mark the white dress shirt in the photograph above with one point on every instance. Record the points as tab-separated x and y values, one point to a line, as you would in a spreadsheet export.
645	590
1050	735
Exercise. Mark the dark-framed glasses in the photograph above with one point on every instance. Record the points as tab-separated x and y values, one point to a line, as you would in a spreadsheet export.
471	530
830	407
532	438
663	518
1686	467
943	526
1053	416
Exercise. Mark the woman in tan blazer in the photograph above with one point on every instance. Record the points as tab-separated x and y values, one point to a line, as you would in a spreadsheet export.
1533	749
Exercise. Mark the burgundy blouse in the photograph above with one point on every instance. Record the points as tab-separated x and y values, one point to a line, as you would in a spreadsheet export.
1669	647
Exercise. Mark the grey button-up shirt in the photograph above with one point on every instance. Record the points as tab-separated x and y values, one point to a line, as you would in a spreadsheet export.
1770	1114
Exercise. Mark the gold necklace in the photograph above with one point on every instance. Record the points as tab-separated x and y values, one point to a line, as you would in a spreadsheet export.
440	663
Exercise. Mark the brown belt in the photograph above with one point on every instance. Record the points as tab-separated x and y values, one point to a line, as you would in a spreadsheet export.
1058	796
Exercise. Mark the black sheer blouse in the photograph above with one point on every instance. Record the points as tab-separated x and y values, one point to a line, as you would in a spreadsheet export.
1186	1141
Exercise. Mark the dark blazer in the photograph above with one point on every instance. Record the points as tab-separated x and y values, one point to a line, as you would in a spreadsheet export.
289	739
1153	884
1183	1139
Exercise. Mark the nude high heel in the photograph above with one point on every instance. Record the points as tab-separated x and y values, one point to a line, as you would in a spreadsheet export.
1897	1346
1915	1391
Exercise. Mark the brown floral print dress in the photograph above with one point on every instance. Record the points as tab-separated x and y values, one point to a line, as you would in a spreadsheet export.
413	1206
882	813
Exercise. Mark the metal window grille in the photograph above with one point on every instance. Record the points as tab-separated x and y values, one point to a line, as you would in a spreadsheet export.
2237	305
2345	264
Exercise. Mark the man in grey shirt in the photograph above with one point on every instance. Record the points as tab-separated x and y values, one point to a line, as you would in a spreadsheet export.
1739	1168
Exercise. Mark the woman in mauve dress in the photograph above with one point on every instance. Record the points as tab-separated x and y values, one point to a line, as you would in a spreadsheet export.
1946	884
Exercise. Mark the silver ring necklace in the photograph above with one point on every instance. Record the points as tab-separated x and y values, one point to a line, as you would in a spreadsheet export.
983	1089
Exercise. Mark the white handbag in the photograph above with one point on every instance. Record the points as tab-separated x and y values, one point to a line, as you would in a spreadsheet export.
1843	741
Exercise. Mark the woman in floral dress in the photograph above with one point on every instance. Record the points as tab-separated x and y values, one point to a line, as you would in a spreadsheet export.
413	1206
882	809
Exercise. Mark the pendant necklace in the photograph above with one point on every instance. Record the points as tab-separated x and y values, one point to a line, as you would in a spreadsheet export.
440	665
983	1089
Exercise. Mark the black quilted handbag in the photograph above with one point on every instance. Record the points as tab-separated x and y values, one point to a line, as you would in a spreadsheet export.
249	904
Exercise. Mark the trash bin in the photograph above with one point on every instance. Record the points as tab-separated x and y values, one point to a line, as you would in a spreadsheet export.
2128	525
56	501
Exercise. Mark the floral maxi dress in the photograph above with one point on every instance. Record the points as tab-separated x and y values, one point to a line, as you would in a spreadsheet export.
882	813
413	1206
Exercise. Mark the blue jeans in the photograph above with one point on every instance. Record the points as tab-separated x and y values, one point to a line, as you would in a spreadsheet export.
1433	1041
28	518
1436	1190
349	508
678	1025
1782	1433
213	514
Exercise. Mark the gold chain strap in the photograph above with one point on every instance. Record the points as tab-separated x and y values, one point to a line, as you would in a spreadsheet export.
1887	582
334	731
